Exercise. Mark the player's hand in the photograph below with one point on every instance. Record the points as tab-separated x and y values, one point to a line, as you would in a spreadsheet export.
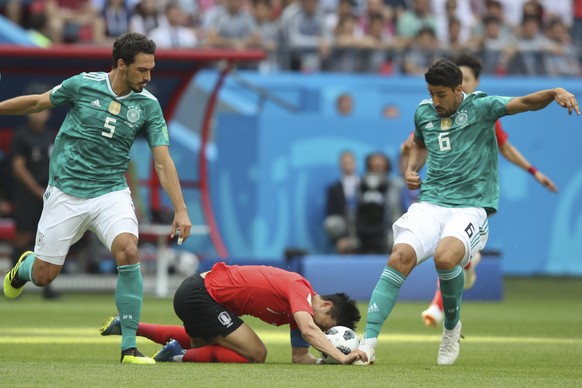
546	182
413	180
567	100
355	355
181	226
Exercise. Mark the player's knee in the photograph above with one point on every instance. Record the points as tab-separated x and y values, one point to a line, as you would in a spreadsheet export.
258	355
127	254
402	260
445	260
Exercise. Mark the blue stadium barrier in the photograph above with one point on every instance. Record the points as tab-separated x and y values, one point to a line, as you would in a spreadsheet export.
357	276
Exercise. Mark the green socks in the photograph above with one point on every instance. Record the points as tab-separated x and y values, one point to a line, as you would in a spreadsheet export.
383	300
452	282
128	298
25	269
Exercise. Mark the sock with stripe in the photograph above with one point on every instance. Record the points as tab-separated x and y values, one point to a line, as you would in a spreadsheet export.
452	283
128	298
213	353
383	300
161	334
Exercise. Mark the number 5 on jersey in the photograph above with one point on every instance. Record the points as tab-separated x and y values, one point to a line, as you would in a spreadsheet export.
110	124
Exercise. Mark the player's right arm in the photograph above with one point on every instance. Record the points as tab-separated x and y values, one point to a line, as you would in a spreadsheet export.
316	338
24	105
416	159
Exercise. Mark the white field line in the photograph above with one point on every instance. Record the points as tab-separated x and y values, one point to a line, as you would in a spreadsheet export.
91	336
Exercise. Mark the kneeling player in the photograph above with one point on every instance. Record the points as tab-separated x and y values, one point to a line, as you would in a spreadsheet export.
210	304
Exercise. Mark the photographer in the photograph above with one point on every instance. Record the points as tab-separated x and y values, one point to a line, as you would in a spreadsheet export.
379	205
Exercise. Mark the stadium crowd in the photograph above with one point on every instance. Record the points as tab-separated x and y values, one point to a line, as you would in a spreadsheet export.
527	37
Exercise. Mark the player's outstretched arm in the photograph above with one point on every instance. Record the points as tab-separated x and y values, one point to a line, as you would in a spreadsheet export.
168	175
511	153
541	99
316	338
24	105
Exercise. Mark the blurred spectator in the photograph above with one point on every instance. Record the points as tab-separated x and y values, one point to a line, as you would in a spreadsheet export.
562	58
577	26
233	27
513	12
12	9
345	104
73	21
422	53
457	13
532	44
533	9
173	34
146	17
561	9
379	205
412	21
345	9
116	16
268	33
346	54
498	49
307	37
31	148
341	202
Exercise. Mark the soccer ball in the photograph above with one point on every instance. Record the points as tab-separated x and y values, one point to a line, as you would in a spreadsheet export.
344	339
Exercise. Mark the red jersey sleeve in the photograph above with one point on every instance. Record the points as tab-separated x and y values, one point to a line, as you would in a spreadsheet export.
300	299
500	134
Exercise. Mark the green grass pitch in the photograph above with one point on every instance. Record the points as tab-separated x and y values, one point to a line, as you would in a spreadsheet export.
532	338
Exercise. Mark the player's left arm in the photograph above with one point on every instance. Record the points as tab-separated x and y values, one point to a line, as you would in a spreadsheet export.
168	175
541	99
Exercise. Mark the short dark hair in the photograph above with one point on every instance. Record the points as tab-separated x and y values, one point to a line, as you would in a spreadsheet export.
471	62
127	46
344	311
444	73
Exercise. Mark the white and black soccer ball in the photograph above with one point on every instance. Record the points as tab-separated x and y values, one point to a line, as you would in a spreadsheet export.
344	339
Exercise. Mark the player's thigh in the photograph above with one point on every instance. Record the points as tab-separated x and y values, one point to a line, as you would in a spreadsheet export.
469	226
245	342
111	215
62	223
420	227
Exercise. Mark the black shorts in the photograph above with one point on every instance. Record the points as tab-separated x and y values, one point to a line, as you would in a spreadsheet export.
202	316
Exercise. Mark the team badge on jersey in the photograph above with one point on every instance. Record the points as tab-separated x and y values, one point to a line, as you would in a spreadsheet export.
133	115
114	108
462	119
446	123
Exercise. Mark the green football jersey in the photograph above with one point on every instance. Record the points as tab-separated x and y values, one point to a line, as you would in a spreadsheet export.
462	152
91	151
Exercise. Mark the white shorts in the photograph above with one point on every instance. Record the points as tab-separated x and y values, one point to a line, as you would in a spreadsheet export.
65	219
425	224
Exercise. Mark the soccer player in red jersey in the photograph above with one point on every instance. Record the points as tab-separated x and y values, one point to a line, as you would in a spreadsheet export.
471	68
210	305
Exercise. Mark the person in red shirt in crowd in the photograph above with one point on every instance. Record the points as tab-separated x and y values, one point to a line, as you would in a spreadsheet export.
210	305
471	68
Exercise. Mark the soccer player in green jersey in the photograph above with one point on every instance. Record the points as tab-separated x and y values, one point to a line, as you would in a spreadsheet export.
455	136
87	188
